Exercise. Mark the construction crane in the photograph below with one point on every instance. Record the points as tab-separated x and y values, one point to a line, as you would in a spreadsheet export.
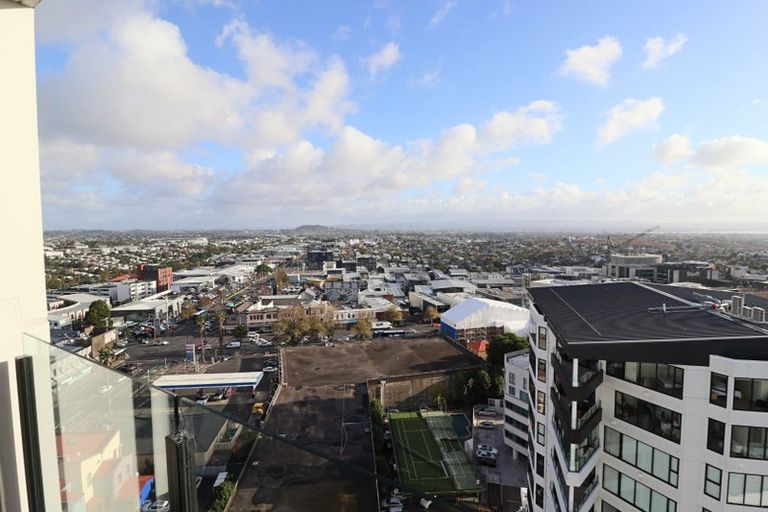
613	246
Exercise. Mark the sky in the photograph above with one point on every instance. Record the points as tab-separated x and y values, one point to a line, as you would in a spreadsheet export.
439	114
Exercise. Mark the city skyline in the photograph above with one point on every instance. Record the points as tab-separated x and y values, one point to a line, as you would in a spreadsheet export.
486	115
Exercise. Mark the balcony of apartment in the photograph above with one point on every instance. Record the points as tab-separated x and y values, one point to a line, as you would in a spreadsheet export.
577	460
588	416
141	443
584	495
588	376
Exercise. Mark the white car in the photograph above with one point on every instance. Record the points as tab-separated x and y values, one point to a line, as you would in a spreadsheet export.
158	506
160	343
263	343
269	369
232	344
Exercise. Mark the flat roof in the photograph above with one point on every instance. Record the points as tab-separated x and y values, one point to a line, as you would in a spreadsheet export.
625	319
209	380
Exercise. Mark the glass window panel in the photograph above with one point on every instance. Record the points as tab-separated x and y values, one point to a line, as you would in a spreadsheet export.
716	435
712	489
612	440
611	479
756	443
628	449
627	488
642	497
752	489
673	479
742	394
648	375
765	492
631	371
661	465
644	457
760	395
735	488
739	441
658	502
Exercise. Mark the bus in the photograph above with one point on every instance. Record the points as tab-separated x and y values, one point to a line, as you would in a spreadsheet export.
388	333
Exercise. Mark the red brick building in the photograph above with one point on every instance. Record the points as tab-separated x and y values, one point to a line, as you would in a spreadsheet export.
163	276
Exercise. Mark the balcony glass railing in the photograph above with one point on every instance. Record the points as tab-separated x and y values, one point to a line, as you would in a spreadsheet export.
122	444
582	493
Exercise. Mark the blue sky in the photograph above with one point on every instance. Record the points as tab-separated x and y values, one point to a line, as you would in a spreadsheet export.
440	114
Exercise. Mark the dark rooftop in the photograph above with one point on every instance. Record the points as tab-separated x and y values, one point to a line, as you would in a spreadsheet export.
625	320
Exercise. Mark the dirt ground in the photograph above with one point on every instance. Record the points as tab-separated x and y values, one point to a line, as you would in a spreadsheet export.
361	361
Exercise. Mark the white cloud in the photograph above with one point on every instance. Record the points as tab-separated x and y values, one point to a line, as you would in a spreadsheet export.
592	63
657	49
427	80
676	147
468	185
158	173
342	33
629	116
534	123
441	13
731	152
68	21
382	60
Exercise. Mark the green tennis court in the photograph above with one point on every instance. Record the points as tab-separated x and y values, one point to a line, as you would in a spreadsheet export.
429	455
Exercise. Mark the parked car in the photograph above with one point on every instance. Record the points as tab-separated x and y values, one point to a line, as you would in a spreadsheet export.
487	448
160	343
391	502
157	506
486	425
269	369
488	411
232	344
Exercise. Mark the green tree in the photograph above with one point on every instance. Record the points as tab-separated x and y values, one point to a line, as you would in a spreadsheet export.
363	329
431	314
240	331
205	302
500	345
106	356
221	318
483	388
200	321
497	385
263	270
394	315
99	315
377	411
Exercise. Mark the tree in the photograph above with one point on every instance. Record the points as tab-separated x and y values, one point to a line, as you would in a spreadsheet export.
316	327
394	315
98	315
431	314
187	310
200	321
363	329
292	326
240	331
106	356
501	345
221	318
263	270
281	278
377	412
440	403
483	385
205	302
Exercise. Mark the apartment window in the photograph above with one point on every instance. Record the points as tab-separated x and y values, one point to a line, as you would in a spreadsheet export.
542	339
540	465
716	436
541	402
522	411
749	442
635	493
750	394
658	377
718	390
517	424
651	417
651	460
540	433
607	507
541	370
713	478
745	489
539	496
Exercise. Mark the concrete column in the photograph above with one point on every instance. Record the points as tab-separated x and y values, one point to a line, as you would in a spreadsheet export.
22	295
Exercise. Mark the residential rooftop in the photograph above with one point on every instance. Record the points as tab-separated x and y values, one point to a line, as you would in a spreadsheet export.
637	322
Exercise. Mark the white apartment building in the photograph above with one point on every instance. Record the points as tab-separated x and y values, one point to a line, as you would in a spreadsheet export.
644	399
516	402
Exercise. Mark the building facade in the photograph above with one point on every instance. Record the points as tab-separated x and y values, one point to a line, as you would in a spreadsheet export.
640	400
516	402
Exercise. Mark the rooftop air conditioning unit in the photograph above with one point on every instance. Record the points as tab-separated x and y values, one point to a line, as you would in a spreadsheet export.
758	315
737	302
